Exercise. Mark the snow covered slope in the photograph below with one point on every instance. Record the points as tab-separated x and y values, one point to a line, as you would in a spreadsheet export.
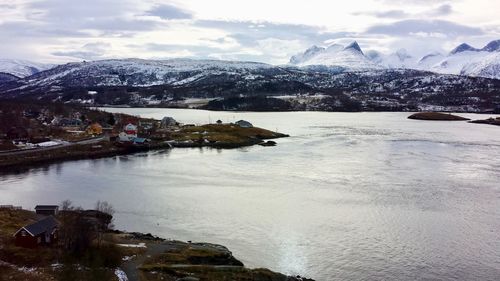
350	57
462	60
22	68
138	72
470	61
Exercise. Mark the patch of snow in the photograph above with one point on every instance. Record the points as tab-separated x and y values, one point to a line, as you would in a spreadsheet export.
127	258
121	275
26	269
140	245
48	144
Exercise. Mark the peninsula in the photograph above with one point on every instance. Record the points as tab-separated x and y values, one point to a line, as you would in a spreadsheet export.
33	134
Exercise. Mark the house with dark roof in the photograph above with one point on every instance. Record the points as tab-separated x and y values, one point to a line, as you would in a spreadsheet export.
47	210
244	124
42	232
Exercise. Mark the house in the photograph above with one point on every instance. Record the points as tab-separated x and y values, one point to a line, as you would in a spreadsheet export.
140	141
94	129
244	124
47	210
147	124
42	232
168	122
131	130
70	122
123	137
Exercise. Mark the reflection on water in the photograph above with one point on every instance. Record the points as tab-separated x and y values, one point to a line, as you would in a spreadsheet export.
349	196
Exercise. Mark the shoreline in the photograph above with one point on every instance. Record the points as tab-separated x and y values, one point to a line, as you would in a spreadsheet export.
10	161
132	256
279	111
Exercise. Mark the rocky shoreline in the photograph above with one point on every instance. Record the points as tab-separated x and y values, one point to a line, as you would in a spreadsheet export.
189	261
120	255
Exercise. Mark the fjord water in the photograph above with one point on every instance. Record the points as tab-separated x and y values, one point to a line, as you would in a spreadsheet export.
349	196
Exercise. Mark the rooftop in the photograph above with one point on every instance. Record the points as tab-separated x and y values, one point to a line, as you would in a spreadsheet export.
46	207
41	226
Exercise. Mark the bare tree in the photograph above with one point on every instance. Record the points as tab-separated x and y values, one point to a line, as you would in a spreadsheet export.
66	205
105	212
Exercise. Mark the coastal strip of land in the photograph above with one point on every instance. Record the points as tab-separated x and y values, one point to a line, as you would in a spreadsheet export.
35	134
83	248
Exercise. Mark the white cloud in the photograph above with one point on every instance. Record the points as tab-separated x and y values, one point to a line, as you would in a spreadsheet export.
261	30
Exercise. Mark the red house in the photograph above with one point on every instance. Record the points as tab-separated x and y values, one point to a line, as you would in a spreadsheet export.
130	129
42	232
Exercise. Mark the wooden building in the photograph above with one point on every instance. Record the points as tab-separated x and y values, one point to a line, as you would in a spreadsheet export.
47	210
42	232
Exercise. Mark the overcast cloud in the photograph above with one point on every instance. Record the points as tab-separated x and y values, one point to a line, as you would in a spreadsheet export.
58	31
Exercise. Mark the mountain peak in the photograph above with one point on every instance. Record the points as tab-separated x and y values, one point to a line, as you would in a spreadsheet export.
353	46
464	47
312	51
493	46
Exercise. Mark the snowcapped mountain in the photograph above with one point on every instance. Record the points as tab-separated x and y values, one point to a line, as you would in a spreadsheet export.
470	61
464	47
138	72
22	68
152	82
350	57
462	60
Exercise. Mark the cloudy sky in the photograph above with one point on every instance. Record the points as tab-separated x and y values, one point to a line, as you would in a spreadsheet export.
269	31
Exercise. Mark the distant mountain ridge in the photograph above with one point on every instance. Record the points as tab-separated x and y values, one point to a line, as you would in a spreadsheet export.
136	82
321	78
462	60
22	68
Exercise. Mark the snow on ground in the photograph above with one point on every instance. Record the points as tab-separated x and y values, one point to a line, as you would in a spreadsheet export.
120	274
127	258
140	245
48	144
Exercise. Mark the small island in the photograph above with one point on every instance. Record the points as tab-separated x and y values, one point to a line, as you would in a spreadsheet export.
489	121
436	116
68	243
34	134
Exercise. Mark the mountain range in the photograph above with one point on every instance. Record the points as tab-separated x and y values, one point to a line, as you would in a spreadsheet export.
462	60
340	78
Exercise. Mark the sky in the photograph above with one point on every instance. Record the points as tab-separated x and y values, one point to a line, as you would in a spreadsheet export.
270	31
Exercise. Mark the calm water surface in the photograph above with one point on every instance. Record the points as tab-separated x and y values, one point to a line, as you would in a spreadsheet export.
350	196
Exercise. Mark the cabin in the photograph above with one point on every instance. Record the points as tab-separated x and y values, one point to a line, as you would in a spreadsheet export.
42	232
244	124
167	122
47	210
94	129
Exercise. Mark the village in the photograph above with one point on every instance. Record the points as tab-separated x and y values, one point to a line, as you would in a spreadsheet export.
34	133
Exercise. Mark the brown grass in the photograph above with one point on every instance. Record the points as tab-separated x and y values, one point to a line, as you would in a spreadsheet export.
227	133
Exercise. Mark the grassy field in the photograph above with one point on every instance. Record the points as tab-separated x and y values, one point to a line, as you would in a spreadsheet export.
225	134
